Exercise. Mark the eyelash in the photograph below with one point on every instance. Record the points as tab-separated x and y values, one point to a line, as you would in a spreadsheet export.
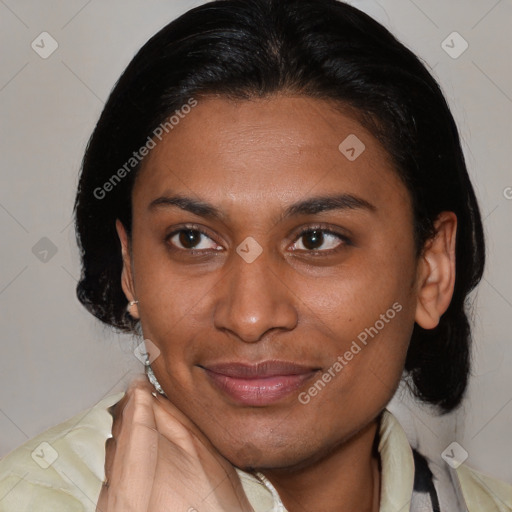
188	227
326	231
319	227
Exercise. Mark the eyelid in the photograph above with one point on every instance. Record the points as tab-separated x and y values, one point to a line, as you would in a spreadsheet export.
190	227
345	239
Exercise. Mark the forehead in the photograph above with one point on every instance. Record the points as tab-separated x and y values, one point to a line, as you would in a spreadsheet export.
264	151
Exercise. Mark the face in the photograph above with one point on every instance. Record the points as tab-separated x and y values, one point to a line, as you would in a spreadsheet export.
255	238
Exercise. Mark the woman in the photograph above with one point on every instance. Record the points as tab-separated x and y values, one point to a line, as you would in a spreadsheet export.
276	200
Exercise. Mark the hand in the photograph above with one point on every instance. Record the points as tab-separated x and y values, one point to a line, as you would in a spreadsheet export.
159	461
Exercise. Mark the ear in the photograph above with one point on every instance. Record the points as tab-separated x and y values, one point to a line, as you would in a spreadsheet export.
436	272
126	275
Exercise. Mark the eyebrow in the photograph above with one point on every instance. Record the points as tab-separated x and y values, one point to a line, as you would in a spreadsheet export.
321	204
310	206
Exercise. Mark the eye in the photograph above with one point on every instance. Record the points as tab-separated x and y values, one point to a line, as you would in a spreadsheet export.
191	239
319	239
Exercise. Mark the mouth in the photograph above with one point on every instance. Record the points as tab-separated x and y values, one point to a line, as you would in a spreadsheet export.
258	384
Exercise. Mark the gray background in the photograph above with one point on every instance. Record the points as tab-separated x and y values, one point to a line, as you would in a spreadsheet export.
57	360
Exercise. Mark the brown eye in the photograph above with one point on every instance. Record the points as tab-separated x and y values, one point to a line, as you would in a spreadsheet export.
319	240
313	239
191	239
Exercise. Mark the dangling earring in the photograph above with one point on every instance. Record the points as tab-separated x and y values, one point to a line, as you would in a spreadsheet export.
151	376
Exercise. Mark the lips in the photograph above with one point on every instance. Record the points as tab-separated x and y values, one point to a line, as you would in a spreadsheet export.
258	384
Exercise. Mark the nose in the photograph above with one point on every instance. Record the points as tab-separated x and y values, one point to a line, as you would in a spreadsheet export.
253	299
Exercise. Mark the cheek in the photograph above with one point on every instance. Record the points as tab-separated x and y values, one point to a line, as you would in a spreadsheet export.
355	294
366	312
169	300
161	285
340	306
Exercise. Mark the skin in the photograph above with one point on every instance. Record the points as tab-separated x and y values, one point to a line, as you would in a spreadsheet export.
251	160
154	443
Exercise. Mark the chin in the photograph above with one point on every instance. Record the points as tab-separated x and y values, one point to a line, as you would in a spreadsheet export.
250	458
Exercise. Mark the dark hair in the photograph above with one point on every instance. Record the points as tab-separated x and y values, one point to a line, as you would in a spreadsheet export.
319	48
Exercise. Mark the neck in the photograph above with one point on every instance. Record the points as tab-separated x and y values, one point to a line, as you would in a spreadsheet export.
346	479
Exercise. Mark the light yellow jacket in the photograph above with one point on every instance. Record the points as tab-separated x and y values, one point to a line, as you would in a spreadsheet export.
62	470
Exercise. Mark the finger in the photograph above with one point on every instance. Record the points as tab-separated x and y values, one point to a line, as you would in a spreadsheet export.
186	455
115	411
102	503
118	410
171	421
171	426
110	451
183	444
135	455
178	428
110	448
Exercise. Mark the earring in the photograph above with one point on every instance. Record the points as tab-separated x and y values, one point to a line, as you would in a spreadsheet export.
130	304
152	377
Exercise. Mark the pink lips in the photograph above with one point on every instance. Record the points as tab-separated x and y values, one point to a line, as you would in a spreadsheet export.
259	384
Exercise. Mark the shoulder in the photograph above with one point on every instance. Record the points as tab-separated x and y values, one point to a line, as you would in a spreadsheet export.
483	493
61	469
458	487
